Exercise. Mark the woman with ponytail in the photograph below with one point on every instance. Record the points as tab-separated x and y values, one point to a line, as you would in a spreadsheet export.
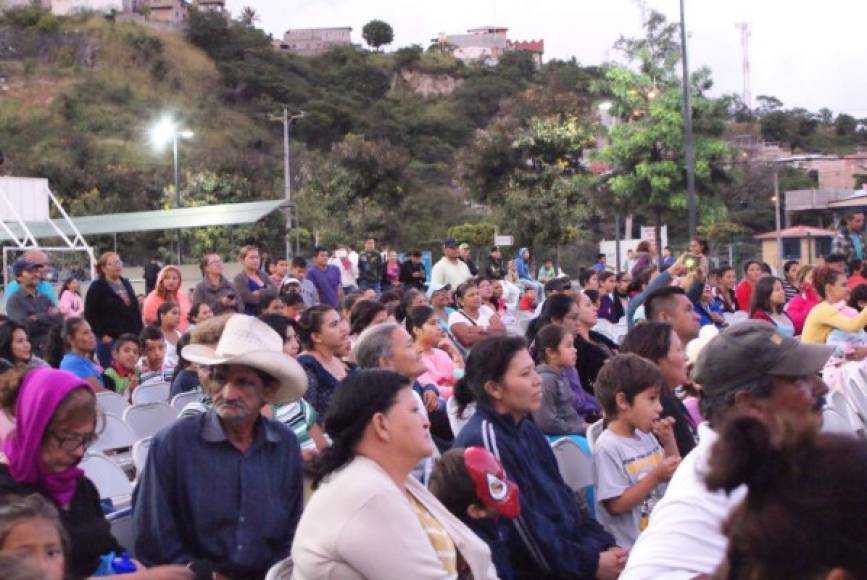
369	517
804	514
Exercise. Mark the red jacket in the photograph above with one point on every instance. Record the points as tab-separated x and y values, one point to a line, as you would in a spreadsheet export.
743	293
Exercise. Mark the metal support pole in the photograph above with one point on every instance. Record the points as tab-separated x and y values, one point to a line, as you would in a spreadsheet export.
689	149
177	189
617	263
777	217
287	181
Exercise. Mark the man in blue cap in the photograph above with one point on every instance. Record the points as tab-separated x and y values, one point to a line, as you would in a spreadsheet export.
29	308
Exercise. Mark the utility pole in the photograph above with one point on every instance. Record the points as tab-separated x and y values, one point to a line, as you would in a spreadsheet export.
689	149
287	119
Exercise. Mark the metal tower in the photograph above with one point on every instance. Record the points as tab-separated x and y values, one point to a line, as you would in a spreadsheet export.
744	27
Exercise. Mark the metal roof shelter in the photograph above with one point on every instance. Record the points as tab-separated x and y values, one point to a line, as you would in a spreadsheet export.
168	219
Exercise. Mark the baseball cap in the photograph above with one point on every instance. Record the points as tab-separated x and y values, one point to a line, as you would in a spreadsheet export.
450	243
434	287
464	246
752	349
24	264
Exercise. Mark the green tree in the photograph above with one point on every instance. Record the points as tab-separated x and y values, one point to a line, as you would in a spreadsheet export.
845	124
249	16
377	33
476	234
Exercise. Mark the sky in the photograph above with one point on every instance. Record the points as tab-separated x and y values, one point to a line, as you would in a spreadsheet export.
806	53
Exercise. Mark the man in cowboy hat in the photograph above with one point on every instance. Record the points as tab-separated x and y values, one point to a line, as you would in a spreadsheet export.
222	491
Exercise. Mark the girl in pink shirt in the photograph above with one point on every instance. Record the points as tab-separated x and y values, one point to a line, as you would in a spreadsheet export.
442	359
70	303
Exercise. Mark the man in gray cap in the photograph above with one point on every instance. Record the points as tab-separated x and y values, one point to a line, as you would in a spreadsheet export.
746	368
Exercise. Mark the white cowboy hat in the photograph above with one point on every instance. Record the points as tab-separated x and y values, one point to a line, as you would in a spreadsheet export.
250	342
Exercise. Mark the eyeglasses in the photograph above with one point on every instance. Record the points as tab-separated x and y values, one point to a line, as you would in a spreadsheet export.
114	263
73	442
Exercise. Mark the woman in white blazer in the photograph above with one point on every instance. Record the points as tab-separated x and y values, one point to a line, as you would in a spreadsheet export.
368	517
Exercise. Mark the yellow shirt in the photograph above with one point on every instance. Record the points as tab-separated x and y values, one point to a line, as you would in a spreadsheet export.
824	317
439	538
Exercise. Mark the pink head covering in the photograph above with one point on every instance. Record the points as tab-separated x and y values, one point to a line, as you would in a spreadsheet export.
42	390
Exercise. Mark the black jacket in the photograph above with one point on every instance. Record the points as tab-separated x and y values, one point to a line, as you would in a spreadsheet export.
496	269
89	532
591	357
407	268
106	312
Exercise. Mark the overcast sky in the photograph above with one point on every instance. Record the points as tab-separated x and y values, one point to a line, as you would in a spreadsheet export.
806	53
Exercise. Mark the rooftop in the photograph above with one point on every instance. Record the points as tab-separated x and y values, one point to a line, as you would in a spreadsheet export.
797	232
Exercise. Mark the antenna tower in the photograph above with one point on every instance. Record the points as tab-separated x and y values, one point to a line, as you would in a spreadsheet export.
744	27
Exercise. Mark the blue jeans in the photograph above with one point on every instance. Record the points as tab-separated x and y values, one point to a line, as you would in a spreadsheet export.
375	286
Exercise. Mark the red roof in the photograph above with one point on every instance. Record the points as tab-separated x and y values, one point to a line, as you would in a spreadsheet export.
797	232
528	45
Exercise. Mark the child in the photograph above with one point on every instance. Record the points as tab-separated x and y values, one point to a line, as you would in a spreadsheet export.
151	369
298	271
629	464
70	303
529	300
120	377
555	352
293	304
168	318
30	529
472	485
274	306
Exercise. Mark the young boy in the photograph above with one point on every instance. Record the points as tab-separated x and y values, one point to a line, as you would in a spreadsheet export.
151	368
120	377
293	306
630	465
298	271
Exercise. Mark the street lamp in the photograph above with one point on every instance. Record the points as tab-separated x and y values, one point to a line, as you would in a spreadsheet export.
287	119
167	131
689	149
164	132
608	121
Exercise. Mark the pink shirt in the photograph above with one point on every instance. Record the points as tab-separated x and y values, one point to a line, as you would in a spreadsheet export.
153	302
70	304
440	371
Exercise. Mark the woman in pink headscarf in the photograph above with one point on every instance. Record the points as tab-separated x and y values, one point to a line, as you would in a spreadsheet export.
168	289
55	422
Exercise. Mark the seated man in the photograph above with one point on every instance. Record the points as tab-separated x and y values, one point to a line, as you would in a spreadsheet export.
222	490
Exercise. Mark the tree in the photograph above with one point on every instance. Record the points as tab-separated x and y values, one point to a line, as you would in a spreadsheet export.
377	33
248	16
845	124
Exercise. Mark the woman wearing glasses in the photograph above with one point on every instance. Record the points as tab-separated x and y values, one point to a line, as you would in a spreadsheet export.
214	289
111	306
55	414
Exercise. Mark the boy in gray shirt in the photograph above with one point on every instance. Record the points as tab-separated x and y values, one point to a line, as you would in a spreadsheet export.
630	465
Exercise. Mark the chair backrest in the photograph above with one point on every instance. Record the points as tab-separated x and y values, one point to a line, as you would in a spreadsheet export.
108	477
455	422
593	433
113	434
140	453
181	400
605	328
856	393
738	317
151	394
122	529
834	422
111	402
575	465
282	570
149	418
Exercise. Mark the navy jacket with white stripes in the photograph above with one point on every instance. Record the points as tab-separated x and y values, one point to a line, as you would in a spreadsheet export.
551	538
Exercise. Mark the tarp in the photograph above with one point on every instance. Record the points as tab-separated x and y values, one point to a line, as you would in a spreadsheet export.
168	219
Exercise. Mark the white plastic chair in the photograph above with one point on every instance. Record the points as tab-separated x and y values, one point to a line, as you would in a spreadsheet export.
838	407
738	317
114	434
575	465
605	328
151	394
282	570
593	433
111	402
140	454
108	477
455	422
181	400
149	418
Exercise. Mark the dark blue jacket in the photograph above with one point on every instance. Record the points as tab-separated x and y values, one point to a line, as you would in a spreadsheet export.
551	539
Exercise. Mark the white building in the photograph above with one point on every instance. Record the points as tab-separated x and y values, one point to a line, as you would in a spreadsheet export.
314	41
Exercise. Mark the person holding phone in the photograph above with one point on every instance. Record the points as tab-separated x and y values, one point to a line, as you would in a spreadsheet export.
215	290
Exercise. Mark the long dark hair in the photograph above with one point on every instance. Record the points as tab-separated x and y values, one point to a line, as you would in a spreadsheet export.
7	330
58	342
555	307
359	397
416	318
804	511
651	340
549	338
362	314
488	361
761	297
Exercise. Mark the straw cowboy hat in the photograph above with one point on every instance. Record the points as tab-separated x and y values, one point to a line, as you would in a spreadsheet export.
250	342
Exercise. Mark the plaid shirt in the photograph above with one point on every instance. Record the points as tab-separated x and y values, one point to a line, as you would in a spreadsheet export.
842	244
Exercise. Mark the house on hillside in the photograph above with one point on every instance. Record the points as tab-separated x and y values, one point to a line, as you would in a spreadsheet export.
66	7
314	41
840	185
487	44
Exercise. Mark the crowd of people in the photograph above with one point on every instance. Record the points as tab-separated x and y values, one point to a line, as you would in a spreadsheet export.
363	417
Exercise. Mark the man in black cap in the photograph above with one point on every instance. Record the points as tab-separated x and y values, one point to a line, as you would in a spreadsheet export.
29	308
748	368
412	274
496	268
450	269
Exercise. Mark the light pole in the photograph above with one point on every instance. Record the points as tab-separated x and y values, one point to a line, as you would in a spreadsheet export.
163	132
610	121
689	149
287	119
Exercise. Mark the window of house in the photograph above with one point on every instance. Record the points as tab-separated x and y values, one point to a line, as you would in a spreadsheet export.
792	248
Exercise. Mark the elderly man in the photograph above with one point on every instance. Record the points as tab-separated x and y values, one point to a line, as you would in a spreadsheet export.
450	269
748	368
43	287
222	490
31	309
390	346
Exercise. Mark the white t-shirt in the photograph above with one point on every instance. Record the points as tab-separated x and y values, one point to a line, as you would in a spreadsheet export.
685	538
452	273
484	319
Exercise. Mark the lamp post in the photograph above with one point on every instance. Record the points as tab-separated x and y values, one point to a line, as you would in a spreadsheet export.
610	121
689	149
165	131
287	119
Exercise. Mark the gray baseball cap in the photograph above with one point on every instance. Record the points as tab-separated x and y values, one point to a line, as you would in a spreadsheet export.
750	350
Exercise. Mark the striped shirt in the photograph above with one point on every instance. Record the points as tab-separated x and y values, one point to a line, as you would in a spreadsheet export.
440	540
298	416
